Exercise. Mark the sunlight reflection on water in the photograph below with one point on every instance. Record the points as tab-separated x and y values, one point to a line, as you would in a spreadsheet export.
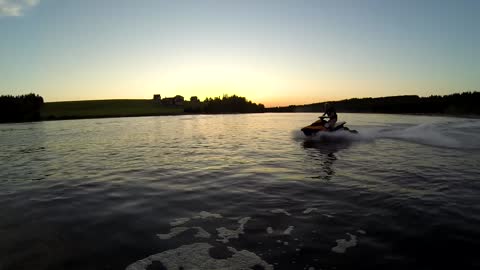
404	188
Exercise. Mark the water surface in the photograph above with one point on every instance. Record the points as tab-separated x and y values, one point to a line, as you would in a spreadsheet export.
240	190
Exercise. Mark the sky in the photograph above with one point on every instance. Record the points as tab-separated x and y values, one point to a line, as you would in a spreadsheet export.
274	52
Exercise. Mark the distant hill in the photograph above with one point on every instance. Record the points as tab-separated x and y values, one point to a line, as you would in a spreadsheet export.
32	108
460	103
105	108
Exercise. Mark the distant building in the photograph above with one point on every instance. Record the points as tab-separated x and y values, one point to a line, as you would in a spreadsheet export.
177	100
194	99
168	101
157	98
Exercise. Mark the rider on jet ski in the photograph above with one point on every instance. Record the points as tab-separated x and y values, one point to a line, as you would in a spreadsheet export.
322	125
331	113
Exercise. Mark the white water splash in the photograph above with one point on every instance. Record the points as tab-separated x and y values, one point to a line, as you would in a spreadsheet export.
449	133
429	134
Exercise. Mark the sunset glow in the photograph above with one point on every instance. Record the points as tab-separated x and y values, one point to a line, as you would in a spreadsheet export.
273	52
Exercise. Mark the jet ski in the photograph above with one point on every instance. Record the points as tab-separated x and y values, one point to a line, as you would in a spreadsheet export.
320	126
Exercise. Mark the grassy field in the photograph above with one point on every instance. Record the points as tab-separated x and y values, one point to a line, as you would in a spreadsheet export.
106	108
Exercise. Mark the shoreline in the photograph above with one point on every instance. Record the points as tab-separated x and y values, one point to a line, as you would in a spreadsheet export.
470	116
68	118
455	105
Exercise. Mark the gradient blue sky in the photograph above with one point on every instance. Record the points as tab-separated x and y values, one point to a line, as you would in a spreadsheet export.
274	52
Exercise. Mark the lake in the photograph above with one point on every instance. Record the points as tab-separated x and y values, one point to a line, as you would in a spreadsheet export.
240	192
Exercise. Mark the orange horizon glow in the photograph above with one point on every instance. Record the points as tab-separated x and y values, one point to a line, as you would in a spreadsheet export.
267	103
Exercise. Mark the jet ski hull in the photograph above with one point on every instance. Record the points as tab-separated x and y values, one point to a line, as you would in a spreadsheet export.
312	130
319	126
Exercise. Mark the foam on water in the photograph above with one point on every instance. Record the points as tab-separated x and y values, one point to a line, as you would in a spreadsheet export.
173	232
280	211
178	230
227	234
201	233
201	258
343	244
201	215
204	215
179	221
196	256
288	230
309	210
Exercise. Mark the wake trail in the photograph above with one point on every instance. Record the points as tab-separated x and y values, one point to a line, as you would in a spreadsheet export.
461	134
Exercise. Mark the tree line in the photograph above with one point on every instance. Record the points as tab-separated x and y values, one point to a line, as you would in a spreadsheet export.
28	107
459	103
22	108
225	104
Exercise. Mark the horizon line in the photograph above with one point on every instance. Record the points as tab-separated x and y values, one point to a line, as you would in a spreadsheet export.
315	102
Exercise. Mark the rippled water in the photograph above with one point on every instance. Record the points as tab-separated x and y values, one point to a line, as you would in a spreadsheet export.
232	191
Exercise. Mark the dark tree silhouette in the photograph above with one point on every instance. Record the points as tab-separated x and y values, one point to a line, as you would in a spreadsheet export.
226	104
20	108
460	103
